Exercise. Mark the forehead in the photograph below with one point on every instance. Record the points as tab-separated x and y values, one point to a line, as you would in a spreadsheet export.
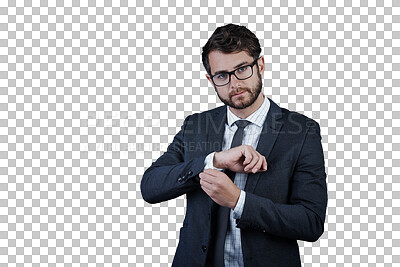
227	62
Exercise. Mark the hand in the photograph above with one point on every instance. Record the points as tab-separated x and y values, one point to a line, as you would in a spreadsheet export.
219	187
242	158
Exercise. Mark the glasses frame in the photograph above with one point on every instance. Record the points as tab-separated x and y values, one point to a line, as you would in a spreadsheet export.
233	72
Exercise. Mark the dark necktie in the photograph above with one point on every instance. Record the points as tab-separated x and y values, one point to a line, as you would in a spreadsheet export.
223	212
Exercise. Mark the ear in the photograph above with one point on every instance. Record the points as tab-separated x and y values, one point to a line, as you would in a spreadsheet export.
209	79
261	65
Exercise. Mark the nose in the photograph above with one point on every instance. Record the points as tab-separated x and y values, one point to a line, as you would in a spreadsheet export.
234	82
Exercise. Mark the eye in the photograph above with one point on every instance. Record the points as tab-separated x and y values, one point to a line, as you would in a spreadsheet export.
221	76
242	69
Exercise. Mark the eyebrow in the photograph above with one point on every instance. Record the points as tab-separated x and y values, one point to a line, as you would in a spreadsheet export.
237	66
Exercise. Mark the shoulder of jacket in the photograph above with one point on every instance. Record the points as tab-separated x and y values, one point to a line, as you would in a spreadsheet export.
297	118
207	113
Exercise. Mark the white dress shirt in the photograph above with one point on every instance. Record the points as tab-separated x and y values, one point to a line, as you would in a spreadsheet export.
233	255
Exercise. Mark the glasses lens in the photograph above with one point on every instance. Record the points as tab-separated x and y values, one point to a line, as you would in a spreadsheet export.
244	72
221	78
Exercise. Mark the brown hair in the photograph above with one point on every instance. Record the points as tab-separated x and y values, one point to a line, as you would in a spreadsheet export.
231	38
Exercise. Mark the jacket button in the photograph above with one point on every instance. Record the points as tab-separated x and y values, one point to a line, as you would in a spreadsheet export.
204	248
180	179
189	173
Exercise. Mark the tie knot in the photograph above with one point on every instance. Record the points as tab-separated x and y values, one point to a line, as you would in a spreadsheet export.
242	123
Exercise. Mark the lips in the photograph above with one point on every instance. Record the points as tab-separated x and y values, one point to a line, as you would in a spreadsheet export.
240	93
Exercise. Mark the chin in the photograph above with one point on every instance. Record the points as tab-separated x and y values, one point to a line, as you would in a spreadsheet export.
241	105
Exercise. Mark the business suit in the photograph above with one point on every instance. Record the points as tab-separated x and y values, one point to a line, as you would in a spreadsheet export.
283	204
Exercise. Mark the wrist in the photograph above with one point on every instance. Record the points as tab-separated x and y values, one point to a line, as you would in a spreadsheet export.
236	199
216	161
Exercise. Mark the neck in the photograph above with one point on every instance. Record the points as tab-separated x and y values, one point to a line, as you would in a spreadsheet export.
244	113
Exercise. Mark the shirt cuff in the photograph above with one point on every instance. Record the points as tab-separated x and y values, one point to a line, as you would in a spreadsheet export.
237	212
209	162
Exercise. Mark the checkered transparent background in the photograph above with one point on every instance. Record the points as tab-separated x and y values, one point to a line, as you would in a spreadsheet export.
92	92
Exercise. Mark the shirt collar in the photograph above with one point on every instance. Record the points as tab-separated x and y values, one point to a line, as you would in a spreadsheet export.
257	117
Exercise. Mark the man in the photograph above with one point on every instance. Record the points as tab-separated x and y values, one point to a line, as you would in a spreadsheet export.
253	173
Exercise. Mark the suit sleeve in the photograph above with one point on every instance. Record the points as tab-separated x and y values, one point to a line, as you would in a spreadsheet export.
170	176
302	218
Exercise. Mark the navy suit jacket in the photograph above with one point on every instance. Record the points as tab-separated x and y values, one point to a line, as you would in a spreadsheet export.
284	204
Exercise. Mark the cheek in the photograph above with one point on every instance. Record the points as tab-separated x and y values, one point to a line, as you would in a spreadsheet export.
222	93
254	83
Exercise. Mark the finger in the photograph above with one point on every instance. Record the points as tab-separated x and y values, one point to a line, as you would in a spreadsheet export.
205	189
253	162
248	160
209	193
205	184
209	176
265	165
212	177
205	176
258	165
212	172
248	156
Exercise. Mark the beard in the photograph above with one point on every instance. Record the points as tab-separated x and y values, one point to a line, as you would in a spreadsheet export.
253	95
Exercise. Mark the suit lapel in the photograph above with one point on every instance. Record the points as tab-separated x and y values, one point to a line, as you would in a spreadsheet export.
270	132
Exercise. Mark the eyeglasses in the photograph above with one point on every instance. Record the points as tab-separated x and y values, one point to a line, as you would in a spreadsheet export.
241	73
